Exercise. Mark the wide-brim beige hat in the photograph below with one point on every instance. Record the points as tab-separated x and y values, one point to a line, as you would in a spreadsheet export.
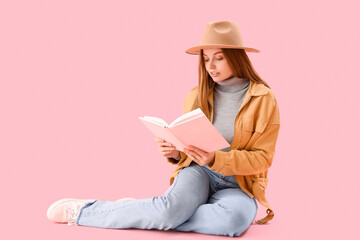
221	34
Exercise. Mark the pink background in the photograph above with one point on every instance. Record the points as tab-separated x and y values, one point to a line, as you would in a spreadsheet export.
76	75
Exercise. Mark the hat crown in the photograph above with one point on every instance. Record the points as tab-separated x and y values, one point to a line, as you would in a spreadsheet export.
222	32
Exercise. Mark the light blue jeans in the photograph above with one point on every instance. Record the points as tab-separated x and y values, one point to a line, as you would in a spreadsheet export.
199	200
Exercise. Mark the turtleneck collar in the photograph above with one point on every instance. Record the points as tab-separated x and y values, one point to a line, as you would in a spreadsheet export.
232	84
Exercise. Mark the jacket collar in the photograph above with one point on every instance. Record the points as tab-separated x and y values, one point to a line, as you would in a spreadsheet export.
257	89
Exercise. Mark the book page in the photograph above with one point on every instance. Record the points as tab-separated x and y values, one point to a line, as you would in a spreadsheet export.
187	116
155	120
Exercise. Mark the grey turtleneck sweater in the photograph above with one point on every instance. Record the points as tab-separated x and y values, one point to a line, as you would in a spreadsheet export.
228	97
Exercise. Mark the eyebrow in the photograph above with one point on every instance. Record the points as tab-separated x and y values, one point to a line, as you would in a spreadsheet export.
213	54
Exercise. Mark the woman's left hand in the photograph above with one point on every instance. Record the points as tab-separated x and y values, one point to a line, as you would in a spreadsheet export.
199	156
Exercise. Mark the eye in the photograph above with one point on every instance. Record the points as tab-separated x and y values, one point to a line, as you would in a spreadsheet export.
206	60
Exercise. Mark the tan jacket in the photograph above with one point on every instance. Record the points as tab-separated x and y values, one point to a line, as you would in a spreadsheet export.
252	150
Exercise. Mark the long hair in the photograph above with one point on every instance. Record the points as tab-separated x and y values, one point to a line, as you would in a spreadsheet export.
241	67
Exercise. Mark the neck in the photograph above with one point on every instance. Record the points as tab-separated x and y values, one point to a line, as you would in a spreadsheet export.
232	84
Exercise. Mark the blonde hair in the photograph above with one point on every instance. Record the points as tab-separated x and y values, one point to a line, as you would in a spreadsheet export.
241	67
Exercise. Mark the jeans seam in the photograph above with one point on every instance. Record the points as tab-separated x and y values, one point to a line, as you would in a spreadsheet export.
82	208
227	211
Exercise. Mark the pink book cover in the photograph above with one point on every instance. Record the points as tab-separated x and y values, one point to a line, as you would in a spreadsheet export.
192	128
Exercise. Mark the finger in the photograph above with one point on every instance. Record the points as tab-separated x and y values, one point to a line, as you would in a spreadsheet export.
167	154
168	148
195	153
198	150
163	143
167	144
191	154
201	153
195	157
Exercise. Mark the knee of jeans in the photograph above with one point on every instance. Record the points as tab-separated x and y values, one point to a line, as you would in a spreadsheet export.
194	167
181	205
175	213
236	223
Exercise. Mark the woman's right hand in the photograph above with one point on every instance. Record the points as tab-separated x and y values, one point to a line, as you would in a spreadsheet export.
166	149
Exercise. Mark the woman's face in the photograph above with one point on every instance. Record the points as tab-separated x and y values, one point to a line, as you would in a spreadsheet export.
216	64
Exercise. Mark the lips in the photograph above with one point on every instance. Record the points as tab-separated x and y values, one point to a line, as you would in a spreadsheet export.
214	74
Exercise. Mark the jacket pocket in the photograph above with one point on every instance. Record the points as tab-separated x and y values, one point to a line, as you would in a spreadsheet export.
250	124
246	129
252	128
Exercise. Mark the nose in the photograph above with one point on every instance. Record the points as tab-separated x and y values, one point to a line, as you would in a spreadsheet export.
211	64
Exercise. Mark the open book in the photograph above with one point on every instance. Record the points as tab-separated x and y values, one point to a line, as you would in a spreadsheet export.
192	128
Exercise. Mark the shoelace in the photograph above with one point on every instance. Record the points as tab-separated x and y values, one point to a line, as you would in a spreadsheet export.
73	212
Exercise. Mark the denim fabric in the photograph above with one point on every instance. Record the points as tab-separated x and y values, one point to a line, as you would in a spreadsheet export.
199	200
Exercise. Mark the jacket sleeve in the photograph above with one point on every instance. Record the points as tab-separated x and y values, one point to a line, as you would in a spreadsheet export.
255	160
174	161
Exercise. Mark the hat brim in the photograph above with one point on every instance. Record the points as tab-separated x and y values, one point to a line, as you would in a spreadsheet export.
196	49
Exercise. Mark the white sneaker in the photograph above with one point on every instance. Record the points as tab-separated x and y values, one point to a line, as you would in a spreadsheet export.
66	210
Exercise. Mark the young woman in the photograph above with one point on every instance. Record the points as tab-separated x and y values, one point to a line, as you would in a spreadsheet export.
210	192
